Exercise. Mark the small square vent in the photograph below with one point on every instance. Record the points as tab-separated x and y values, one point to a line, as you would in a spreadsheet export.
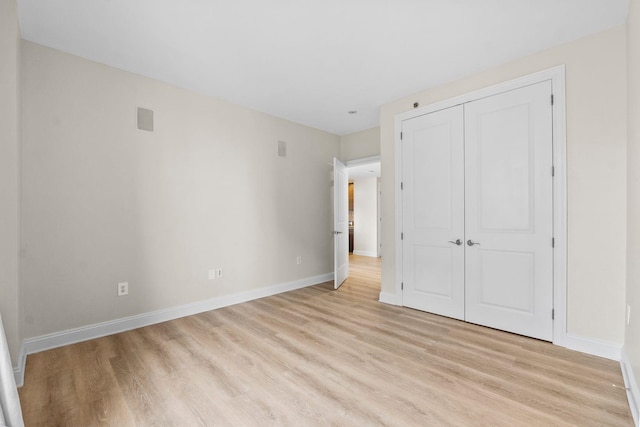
145	119
282	149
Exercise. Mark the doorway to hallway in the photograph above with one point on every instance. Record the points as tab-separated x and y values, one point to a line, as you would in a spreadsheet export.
365	220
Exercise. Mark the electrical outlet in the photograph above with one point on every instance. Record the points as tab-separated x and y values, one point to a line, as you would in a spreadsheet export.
299	260
219	273
212	274
123	289
628	314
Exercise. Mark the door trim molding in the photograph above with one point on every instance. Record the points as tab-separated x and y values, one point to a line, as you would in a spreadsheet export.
362	161
557	77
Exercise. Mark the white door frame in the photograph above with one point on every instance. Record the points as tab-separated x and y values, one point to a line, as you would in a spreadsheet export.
362	161
557	77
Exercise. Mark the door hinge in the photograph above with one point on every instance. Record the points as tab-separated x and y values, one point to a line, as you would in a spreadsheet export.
402	286
553	242
553	171
551	99
401	236
400	135
553	314
402	185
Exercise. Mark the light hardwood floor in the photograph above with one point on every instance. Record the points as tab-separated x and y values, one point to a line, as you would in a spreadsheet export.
318	357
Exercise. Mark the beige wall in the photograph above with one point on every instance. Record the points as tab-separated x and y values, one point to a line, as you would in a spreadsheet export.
9	187
632	342
596	164
103	202
359	145
365	207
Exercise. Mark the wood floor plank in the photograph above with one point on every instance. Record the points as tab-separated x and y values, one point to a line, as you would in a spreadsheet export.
319	357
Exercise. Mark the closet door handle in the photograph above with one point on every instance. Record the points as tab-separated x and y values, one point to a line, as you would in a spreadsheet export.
471	243
457	242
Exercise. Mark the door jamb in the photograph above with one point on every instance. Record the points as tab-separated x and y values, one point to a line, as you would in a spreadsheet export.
557	77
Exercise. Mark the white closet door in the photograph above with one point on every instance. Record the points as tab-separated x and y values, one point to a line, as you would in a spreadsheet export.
509	212
433	212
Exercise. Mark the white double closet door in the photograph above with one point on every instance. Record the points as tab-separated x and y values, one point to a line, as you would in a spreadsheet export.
477	212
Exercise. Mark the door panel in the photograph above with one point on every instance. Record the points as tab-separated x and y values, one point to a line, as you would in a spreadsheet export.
508	206
505	197
433	212
511	275
433	270
432	176
340	223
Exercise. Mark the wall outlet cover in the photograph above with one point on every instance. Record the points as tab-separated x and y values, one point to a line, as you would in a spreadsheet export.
123	289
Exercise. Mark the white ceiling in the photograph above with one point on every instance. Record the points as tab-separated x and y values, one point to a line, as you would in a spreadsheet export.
311	61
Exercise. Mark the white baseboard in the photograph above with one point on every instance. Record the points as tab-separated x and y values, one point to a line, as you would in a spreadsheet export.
388	298
372	254
595	347
18	371
633	391
84	333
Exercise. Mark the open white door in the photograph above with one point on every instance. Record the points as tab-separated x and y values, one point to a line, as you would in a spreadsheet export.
340	223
